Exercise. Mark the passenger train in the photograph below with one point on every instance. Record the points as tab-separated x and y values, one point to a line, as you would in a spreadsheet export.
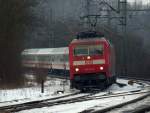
55	60
89	59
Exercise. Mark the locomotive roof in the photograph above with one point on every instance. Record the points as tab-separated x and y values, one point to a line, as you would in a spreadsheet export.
89	34
45	51
89	40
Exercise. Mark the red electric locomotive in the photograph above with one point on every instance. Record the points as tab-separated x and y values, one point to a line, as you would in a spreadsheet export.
92	61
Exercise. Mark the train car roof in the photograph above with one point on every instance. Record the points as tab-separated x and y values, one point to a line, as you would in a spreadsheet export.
45	51
75	41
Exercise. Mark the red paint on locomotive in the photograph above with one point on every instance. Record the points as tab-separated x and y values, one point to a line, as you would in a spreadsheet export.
82	65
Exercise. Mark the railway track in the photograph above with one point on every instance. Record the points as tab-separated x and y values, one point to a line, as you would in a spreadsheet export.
73	98
107	109
142	106
64	100
139	109
45	103
27	105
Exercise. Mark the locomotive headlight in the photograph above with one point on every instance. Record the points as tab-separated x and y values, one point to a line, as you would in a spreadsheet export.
88	57
76	69
101	68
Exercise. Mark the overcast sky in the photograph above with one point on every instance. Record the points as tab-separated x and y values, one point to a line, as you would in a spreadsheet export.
143	1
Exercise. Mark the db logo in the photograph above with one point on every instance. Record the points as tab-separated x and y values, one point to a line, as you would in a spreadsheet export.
88	62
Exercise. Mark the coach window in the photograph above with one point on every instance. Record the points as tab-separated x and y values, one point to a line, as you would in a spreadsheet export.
46	58
52	58
29	58
41	58
36	58
49	58
33	58
60	57
66	57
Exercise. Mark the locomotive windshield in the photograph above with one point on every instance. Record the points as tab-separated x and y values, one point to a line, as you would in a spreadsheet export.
88	50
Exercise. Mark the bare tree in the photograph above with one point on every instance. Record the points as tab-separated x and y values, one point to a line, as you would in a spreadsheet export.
13	20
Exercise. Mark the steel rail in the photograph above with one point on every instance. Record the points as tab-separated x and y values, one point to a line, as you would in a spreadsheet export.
62	100
141	109
35	102
115	106
89	97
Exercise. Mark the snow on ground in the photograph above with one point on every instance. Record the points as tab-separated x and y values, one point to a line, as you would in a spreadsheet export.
145	101
81	106
116	88
22	95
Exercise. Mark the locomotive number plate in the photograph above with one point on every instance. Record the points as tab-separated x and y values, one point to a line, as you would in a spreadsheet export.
88	62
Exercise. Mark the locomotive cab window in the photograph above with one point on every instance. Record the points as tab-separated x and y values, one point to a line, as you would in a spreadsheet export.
96	50
88	50
81	50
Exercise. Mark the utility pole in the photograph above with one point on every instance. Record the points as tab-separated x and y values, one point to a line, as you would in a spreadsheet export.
51	32
123	8
87	20
109	18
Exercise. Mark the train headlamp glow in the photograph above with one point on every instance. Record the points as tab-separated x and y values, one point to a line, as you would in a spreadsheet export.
76	69
101	68
88	57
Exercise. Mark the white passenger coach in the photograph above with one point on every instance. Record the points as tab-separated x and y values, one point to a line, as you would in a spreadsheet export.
46	58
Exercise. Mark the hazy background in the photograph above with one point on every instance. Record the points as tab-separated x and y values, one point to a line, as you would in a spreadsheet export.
53	23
